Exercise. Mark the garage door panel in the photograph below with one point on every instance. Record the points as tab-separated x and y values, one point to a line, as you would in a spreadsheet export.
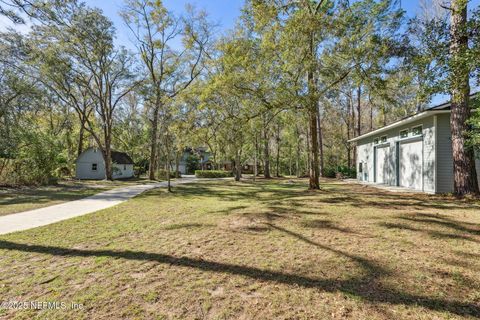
411	163
381	165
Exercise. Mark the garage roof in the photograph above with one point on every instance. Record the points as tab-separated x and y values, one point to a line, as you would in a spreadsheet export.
441	108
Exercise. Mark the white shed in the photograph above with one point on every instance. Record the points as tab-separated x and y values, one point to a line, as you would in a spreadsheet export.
90	165
415	153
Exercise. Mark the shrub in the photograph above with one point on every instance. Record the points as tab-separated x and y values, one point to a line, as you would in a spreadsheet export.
329	172
347	172
162	174
35	161
339	172
213	174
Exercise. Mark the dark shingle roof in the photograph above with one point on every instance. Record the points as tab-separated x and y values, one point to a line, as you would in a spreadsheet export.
121	158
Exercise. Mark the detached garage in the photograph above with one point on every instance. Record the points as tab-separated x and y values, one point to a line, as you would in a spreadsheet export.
90	165
414	153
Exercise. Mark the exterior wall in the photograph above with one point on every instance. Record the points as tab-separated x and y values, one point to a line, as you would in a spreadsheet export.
182	164
437	154
366	154
90	156
444	155
84	165
182	167
122	171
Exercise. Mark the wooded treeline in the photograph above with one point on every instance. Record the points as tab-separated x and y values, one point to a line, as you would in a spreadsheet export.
285	89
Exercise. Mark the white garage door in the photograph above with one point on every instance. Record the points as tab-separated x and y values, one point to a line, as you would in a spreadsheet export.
381	166
411	164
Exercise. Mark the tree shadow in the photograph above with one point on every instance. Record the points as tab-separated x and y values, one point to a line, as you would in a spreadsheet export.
367	287
461	263
177	226
360	195
432	233
326	224
442	221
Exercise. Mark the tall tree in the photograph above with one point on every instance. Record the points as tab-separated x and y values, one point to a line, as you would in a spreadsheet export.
465	176
169	71
84	69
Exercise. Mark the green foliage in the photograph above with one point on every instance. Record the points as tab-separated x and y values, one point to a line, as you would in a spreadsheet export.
36	162
474	126
213	174
339	172
192	163
347	172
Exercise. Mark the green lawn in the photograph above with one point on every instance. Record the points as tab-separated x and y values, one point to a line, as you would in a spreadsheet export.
271	250
14	200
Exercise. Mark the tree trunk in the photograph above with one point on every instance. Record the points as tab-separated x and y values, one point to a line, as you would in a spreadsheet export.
255	164
177	164
320	140
277	160
314	176
167	159
80	137
359	110
371	113
107	158
266	154
349	129
384	112
297	153
153	145
238	167
314	182
307	163
465	177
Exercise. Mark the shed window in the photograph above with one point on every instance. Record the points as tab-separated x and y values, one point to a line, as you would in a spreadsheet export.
360	167
124	167
375	141
94	167
383	139
404	133
417	131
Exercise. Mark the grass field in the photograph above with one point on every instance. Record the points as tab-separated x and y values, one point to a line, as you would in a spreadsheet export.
14	200
270	250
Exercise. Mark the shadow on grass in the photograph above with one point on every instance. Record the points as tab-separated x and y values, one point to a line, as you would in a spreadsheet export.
431	224
325	224
367	287
338	194
177	226
442	221
432	233
229	191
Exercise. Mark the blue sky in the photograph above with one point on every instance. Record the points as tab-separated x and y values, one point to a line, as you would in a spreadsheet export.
223	12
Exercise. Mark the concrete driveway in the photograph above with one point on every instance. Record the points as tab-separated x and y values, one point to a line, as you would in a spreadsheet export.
43	216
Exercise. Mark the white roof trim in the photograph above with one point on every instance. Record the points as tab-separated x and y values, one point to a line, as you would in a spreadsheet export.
399	123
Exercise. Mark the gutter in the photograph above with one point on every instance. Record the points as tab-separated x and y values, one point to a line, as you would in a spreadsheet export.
399	123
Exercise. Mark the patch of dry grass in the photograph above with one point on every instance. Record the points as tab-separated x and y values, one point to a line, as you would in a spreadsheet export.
270	250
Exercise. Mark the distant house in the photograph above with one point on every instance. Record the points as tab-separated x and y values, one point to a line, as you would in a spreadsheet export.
415	152
202	156
248	166
90	165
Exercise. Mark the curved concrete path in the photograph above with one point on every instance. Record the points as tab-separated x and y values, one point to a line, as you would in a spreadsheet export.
47	215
